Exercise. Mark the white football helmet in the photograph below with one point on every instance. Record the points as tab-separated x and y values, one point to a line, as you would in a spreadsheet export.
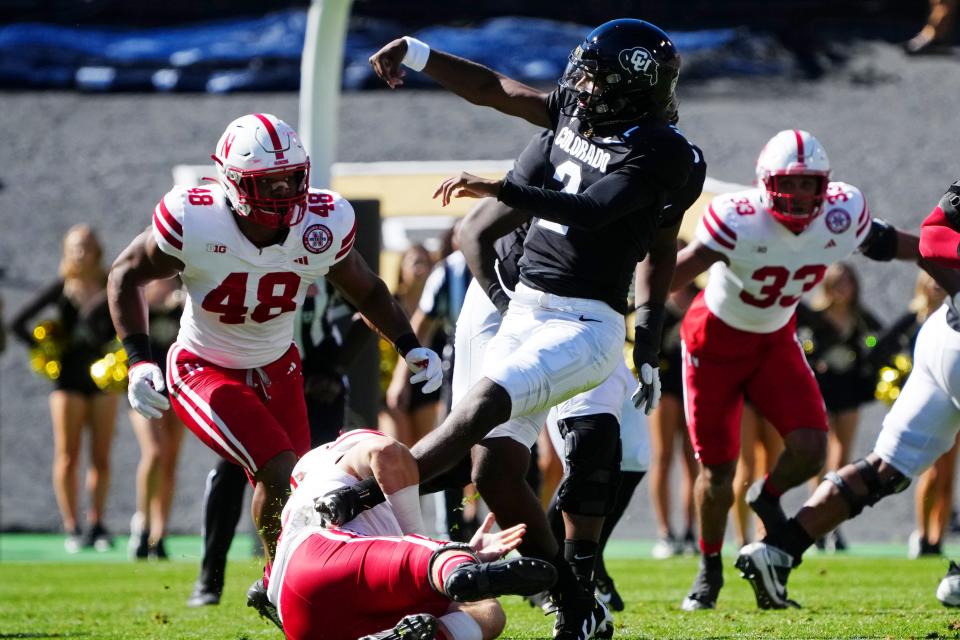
264	170
793	152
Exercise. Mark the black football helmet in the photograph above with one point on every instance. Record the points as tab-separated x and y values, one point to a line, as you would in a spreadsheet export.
624	71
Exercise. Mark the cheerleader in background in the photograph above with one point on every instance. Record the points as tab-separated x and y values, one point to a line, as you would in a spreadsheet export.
838	335
159	438
82	327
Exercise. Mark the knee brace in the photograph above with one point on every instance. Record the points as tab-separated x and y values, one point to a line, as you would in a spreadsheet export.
876	488
592	451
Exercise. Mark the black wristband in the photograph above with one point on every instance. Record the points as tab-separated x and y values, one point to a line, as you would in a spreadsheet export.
406	343
649	326
137	346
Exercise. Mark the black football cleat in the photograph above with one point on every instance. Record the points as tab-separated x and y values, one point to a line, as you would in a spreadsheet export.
583	619
769	511
419	626
606	593
705	590
519	576
204	595
257	598
767	568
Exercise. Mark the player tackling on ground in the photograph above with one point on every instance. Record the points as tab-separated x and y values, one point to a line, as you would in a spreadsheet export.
341	583
247	247
921	426
765	247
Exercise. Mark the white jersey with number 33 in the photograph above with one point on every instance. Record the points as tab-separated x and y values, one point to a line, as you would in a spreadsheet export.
241	301
770	266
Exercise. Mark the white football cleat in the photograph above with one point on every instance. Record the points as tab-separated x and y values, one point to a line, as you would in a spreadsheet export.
948	591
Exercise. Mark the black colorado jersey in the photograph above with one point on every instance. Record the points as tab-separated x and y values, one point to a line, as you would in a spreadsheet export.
602	201
530	169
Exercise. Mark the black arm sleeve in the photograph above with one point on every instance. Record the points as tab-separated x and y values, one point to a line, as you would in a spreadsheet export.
881	241
606	201
21	319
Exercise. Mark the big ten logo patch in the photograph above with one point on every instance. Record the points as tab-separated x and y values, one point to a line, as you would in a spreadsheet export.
638	61
213	247
317	238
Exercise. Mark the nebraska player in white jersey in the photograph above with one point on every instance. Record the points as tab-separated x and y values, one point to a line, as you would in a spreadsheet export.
920	427
247	247
362	577
767	247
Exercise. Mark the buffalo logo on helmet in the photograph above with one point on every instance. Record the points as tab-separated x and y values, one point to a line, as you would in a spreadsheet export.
639	61
317	238
838	220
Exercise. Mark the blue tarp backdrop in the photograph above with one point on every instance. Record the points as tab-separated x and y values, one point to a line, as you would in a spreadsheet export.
263	53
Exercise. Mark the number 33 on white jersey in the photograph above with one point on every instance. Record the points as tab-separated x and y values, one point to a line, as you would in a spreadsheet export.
771	267
241	299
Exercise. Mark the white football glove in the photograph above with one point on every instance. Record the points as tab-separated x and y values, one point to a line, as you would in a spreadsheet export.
145	382
647	395
425	365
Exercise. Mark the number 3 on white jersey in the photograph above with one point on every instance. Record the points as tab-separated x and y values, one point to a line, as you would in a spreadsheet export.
569	174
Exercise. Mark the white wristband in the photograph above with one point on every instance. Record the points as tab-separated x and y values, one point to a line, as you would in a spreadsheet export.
418	52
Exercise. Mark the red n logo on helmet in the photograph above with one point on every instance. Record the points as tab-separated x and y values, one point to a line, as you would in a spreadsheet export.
227	143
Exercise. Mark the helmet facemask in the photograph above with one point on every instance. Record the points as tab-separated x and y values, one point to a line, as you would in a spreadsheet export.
275	198
796	199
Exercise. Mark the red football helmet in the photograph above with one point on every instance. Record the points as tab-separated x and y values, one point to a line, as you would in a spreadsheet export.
794	171
264	170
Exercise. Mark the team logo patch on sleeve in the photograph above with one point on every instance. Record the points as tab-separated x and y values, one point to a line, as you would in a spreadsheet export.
838	220
639	62
317	238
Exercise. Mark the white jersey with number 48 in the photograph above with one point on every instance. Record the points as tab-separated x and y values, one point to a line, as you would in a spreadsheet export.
241	299
770	266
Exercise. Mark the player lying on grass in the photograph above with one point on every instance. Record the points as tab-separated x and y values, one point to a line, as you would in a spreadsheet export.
921	426
361	578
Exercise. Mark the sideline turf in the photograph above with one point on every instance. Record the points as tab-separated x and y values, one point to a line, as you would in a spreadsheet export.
48	547
844	597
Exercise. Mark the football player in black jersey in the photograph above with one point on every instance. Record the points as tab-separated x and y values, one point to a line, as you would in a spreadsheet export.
493	248
616	160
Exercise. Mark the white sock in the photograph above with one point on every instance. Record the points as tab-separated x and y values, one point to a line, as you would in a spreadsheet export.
406	507
461	626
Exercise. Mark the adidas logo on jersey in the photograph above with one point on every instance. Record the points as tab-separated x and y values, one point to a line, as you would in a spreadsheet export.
302	260
830	244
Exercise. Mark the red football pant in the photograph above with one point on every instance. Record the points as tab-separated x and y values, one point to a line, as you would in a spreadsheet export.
245	416
341	586
722	366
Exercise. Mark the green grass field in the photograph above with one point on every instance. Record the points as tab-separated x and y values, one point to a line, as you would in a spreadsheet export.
94	596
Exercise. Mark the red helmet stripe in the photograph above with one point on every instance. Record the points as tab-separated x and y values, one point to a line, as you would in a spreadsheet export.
274	136
800	153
